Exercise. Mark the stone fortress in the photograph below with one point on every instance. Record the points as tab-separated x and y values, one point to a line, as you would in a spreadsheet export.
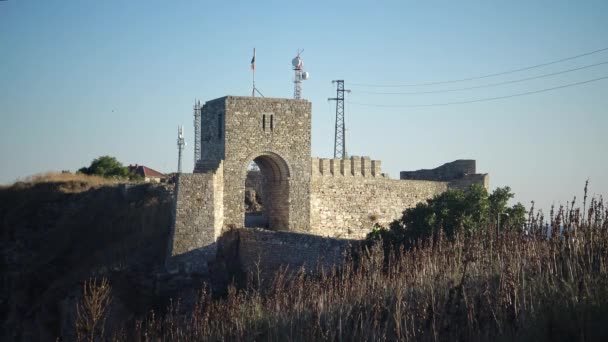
324	197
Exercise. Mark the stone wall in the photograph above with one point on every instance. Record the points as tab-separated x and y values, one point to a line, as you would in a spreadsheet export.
446	172
460	174
272	250
349	196
466	181
198	218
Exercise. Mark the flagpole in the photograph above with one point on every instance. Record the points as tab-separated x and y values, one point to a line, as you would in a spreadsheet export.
253	73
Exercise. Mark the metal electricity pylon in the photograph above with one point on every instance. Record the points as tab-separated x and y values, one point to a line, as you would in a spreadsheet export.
340	131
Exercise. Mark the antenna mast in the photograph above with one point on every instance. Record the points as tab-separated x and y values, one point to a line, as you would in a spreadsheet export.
181	143
300	75
340	132
197	131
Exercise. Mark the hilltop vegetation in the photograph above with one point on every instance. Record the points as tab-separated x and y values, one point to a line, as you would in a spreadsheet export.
108	167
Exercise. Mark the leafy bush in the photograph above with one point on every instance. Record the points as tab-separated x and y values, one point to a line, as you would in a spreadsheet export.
108	167
451	212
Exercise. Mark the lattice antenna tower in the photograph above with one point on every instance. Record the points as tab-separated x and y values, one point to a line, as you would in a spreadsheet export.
300	75
197	131
181	144
340	130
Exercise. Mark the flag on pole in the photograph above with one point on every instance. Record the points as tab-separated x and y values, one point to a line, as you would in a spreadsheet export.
253	60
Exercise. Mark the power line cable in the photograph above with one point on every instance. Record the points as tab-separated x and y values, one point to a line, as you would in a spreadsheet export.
479	77
482	86
480	100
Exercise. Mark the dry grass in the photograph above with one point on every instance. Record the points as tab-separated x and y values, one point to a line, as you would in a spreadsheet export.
65	182
533	285
48	177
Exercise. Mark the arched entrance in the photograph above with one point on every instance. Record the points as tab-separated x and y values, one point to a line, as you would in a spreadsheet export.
267	192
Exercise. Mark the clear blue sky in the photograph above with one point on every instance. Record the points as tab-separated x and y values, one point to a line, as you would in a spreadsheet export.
80	79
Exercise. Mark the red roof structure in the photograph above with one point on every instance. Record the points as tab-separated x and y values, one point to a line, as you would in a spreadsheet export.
145	171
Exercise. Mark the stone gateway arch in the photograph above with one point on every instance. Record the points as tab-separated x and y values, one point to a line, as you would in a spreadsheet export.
275	177
327	197
273	132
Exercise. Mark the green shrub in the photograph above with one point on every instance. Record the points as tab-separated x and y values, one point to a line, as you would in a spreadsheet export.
109	167
454	211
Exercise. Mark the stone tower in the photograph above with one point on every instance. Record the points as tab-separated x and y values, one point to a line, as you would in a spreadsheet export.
275	133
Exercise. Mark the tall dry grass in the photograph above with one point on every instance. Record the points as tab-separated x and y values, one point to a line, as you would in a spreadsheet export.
535	284
91	310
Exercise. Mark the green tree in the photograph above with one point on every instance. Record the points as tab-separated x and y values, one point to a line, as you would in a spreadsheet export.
109	167
516	217
451	212
499	199
506	217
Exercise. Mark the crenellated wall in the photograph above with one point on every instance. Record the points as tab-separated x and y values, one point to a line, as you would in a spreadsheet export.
348	196
355	167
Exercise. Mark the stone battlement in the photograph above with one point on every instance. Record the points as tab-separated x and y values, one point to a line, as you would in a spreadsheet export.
355	166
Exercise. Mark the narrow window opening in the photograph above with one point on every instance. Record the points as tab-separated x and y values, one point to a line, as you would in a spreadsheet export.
271	122
264	122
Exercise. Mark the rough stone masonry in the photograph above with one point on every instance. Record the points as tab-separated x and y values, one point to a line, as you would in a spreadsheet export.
326	197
